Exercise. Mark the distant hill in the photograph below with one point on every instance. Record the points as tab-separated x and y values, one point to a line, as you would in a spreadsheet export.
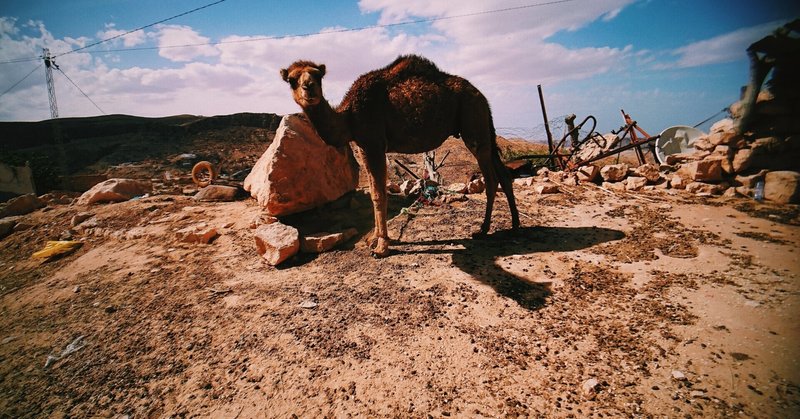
24	135
69	146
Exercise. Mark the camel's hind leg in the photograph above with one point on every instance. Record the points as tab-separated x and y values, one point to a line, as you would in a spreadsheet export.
507	183
477	138
484	157
477	132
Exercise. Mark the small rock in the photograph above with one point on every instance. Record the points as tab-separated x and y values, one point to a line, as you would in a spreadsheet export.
322	242
308	304
407	186
77	289
635	183
697	394
708	170
546	188
200	233
589	388
614	172
614	186
570	179
457	188
703	143
648	171
677	182
80	217
742	160
588	173
449	198
7	226
277	242
115	190
262	219
526	181
680	158
217	193
705	189
678	376
476	186
21	205
723	125
730	193
782	187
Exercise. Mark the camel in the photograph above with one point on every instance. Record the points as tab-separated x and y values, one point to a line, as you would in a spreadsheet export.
409	106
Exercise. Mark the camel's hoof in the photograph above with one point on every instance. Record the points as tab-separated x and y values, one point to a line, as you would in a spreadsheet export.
381	248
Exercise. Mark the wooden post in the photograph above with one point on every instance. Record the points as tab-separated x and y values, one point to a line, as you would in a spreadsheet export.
546	125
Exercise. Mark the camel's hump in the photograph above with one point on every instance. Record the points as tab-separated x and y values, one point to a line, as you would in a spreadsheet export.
412	65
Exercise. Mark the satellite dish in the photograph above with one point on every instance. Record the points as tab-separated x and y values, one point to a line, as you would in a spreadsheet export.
677	139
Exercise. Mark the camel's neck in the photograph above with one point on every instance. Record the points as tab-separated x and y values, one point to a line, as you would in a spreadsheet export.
330	125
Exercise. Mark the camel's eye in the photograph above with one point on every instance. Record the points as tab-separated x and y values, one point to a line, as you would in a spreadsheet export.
293	82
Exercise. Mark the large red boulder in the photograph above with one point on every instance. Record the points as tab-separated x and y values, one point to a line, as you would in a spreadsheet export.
299	171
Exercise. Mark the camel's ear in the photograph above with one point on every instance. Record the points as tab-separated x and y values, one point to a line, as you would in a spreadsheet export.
321	69
285	75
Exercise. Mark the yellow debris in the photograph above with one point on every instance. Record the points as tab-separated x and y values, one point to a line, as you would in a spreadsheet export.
57	248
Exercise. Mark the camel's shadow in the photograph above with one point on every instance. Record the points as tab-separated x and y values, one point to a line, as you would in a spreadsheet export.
474	256
477	256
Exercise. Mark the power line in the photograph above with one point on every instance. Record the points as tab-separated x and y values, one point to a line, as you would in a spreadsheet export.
306	35
19	60
21	80
80	90
140	28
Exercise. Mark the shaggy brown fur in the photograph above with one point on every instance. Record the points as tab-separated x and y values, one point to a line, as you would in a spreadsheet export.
409	106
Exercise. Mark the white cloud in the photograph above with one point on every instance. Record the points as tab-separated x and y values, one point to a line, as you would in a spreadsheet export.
8	26
130	40
505	54
508	46
608	17
191	44
539	20
723	48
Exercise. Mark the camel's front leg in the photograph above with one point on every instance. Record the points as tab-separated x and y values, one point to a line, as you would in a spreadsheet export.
376	170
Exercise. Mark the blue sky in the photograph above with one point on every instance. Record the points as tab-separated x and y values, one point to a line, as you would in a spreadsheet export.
666	62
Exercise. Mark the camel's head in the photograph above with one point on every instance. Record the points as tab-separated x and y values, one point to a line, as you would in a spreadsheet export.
305	78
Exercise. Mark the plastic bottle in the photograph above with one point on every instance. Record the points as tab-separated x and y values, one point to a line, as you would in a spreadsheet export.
758	195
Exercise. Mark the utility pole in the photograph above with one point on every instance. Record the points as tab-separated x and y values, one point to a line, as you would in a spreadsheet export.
49	63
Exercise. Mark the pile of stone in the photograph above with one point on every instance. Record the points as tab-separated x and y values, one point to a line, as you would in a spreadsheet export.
727	162
761	144
756	153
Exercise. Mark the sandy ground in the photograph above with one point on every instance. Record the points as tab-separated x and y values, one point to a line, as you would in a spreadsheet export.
605	304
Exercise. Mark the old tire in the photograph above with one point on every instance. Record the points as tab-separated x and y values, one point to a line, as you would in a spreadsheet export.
203	174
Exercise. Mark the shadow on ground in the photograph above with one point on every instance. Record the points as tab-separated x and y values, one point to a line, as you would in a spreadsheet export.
477	257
